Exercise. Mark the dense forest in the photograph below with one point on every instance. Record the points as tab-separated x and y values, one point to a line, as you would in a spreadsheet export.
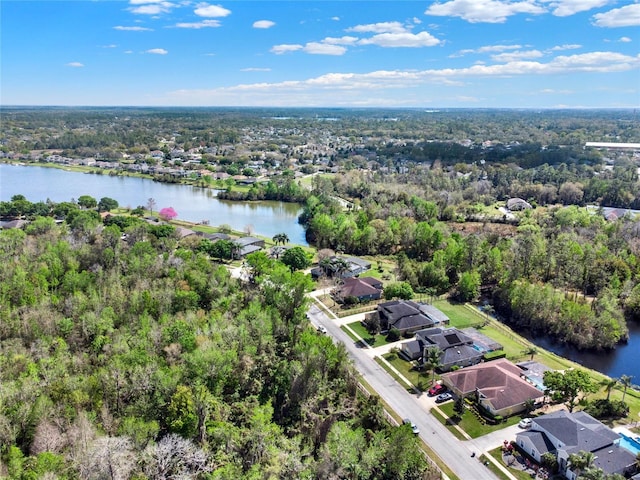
138	356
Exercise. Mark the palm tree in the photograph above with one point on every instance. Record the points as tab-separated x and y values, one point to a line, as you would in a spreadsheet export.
280	238
581	461
532	350
625	381
431	359
608	384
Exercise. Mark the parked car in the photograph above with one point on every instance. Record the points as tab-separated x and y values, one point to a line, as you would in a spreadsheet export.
524	423
322	329
443	397
437	389
414	427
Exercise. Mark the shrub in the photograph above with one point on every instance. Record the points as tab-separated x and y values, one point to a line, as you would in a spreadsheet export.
609	409
393	335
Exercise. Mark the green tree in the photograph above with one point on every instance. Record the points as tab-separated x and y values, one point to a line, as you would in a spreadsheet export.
280	238
296	258
608	384
87	201
469	286
458	407
401	290
431	360
625	381
182	418
107	204
567	386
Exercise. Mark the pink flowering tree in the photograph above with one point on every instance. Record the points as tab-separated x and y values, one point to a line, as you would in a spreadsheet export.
168	213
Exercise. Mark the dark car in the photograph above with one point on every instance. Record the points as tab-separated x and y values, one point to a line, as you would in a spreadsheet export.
437	389
443	397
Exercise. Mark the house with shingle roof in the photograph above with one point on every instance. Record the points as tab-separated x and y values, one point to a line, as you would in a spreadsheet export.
497	386
456	348
364	289
408	316
563	433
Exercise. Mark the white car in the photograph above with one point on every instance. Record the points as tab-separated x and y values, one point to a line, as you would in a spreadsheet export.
414	427
322	329
524	423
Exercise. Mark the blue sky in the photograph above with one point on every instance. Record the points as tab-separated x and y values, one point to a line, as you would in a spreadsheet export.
447	53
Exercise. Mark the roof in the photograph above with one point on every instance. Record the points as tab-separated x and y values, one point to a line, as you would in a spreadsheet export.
459	354
613	459
243	241
539	440
497	381
577	431
444	338
357	287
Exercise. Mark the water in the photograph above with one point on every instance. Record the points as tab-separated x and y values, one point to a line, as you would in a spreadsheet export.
623	360
192	204
630	444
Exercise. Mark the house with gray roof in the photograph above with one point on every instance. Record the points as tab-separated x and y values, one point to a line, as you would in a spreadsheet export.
247	245
563	433
408	316
364	289
344	267
456	348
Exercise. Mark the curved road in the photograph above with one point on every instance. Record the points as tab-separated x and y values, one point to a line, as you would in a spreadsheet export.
454	453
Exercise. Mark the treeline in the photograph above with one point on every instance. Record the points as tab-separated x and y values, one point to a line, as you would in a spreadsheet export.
285	189
558	272
137	356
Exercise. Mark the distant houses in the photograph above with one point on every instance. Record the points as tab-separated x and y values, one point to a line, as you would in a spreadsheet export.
247	245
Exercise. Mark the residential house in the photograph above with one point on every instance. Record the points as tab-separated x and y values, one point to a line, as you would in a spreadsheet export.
456	348
364	289
408	316
563	433
247	245
344	267
518	204
497	386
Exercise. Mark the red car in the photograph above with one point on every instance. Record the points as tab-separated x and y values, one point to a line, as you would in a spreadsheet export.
437	389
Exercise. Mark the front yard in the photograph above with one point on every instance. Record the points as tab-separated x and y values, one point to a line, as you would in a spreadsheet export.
470	422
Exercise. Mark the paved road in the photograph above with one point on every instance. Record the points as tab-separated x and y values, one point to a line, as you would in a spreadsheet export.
453	452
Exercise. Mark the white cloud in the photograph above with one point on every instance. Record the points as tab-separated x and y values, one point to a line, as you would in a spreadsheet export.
317	48
199	25
75	64
624	39
263	24
132	29
405	39
382	27
151	8
565	8
519	55
345	40
255	69
206	10
627	16
285	48
113	45
157	51
487	11
573	46
335	19
487	49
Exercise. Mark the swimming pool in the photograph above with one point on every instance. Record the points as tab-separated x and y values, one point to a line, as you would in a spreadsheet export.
629	443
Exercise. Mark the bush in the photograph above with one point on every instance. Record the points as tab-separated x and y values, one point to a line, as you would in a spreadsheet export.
607	409
393	335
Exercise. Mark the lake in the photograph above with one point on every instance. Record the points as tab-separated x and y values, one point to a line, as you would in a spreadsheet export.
192	204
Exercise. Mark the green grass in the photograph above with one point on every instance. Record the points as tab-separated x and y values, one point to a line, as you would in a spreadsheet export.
459	316
374	341
444	421
420	380
409	388
351	335
491	466
470	423
519	474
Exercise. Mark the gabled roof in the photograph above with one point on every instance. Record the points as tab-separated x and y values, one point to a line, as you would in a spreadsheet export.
244	241
498	382
539	440
444	338
459	355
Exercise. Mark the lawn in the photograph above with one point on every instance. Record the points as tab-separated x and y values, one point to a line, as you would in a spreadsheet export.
470	423
459	316
421	380
374	341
